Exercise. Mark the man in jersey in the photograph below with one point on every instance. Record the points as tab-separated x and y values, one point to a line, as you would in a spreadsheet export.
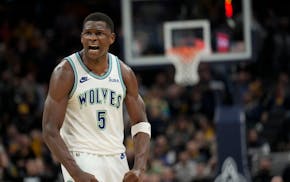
83	114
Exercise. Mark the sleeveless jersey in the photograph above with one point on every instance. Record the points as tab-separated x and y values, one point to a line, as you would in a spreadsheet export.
94	116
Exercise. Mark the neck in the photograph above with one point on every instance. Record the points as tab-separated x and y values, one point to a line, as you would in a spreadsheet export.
98	66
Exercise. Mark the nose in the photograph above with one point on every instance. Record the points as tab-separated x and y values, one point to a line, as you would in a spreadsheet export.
93	36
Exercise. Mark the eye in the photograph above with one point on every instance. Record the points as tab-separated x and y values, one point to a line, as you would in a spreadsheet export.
87	33
100	33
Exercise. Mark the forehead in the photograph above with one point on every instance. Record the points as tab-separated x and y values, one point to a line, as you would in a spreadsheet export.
95	25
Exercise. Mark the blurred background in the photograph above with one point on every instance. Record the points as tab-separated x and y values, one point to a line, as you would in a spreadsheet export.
36	34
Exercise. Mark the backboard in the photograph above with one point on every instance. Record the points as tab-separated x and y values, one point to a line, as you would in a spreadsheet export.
224	26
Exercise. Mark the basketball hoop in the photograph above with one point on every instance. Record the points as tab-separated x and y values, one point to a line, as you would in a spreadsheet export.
186	60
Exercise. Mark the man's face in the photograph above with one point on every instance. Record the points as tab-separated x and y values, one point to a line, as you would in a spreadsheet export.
96	38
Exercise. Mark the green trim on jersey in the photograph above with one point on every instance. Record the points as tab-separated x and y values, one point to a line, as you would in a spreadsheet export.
90	72
121	76
75	74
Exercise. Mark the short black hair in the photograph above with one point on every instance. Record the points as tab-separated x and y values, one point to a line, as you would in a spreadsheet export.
98	16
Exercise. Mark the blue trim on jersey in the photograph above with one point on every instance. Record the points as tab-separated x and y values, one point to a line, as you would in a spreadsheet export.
75	74
120	75
92	73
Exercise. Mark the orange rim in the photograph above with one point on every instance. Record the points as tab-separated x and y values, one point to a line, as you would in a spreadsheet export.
187	53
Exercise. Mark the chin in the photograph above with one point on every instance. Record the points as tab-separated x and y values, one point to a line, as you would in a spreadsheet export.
94	55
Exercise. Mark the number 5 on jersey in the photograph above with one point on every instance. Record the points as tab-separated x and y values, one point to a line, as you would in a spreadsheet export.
101	119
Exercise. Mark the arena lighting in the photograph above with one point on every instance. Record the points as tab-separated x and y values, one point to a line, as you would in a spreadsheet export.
228	8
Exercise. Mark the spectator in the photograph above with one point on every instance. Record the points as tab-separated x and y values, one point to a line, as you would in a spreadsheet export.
264	170
277	179
257	146
185	169
286	173
180	132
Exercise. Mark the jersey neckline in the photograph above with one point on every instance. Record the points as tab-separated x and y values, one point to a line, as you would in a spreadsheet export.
79	58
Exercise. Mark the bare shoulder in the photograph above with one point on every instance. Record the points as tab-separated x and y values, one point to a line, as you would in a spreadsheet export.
129	78
127	72
62	79
63	68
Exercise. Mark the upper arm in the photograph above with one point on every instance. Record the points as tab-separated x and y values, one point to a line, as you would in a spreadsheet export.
133	101
61	83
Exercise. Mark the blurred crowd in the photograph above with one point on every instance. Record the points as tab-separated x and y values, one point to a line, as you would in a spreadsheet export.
36	35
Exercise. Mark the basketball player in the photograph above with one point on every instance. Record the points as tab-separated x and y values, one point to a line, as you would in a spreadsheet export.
83	113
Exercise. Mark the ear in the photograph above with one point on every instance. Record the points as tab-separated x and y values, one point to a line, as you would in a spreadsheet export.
112	38
82	40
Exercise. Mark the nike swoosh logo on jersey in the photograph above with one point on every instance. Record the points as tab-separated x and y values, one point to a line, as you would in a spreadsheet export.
84	79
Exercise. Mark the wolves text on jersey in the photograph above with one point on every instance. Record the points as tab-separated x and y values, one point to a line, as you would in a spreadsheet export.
100	96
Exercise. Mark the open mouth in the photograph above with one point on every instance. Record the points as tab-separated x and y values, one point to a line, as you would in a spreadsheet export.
94	47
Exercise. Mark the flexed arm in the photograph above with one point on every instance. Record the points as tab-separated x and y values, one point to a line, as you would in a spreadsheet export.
140	127
61	82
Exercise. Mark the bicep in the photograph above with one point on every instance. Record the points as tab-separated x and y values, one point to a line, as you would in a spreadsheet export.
134	102
60	85
54	112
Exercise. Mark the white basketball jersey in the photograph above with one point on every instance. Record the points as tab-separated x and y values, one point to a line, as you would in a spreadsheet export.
94	116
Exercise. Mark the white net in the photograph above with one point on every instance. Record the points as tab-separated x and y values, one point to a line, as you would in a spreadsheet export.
186	73
186	61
